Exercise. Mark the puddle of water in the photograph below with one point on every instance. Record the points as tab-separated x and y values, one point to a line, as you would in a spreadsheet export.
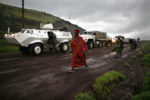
98	62
9	71
41	78
9	59
125	55
91	60
67	57
68	68
97	65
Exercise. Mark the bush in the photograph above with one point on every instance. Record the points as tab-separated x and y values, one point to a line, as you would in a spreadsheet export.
142	96
105	83
145	46
146	83
146	60
133	57
140	53
145	93
85	96
127	65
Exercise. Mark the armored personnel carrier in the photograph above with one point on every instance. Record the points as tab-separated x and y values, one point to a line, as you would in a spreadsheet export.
34	41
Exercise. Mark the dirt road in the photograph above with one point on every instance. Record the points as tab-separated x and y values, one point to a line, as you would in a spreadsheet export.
46	77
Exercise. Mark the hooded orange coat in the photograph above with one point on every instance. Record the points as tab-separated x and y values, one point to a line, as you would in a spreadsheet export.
79	47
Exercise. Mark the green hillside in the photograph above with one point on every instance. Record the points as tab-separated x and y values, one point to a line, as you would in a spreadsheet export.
12	16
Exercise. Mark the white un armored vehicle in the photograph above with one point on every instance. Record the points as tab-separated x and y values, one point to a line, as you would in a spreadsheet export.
96	39
33	41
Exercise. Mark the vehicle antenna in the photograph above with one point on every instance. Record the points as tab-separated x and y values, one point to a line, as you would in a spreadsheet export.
22	13
69	14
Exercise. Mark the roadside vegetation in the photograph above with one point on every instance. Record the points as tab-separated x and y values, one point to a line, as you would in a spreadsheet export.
127	65
85	96
107	85
145	89
7	48
102	87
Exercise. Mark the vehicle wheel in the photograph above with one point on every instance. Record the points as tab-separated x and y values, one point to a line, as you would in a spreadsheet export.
64	47
24	50
36	49
90	45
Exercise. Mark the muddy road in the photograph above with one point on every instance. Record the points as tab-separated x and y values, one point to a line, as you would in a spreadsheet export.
46	77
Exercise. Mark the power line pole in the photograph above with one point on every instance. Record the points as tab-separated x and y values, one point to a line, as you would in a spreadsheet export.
69	14
22	13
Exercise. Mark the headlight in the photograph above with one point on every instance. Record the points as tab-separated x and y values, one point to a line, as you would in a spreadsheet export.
113	40
85	39
14	35
5	35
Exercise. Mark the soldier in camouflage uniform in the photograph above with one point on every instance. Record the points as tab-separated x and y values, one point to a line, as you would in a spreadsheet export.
119	47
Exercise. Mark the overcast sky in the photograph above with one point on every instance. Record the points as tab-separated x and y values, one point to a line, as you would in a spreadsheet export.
126	17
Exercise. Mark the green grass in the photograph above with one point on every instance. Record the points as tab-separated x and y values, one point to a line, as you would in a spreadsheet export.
133	57
7	48
140	53
145	46
146	59
12	16
142	96
85	96
104	84
127	65
146	82
145	91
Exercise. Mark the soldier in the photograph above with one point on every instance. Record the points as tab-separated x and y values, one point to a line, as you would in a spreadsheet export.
119	47
52	41
138	41
131	44
134	44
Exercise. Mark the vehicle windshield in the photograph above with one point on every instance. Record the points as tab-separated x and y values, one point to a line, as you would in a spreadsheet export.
89	33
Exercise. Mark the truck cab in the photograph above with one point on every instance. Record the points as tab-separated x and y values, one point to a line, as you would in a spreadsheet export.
89	37
95	38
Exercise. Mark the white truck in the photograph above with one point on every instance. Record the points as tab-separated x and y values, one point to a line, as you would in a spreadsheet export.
96	39
33	41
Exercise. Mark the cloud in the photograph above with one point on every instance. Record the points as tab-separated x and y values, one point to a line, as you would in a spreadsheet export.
111	16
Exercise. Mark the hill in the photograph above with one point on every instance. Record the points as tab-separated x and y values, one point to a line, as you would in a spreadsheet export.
11	16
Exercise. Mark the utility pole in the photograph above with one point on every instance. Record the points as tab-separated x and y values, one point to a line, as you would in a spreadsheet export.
69	14
22	13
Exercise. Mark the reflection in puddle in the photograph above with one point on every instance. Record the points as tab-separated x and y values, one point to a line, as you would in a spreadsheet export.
99	61
9	71
91	60
97	65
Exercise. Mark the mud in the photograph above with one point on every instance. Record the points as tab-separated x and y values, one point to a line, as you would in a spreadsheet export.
46	77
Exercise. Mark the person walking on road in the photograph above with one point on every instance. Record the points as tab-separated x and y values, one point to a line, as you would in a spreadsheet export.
134	44
79	47
119	47
131	44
